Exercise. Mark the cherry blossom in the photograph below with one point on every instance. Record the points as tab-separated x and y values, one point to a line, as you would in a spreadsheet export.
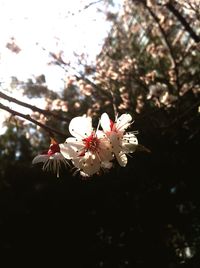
89	150
122	142
52	158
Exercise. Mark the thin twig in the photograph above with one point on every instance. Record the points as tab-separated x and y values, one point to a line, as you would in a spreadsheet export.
168	45
33	108
114	103
59	61
29	118
92	3
183	21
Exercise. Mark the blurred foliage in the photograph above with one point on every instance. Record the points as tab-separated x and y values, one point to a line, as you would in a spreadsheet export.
147	214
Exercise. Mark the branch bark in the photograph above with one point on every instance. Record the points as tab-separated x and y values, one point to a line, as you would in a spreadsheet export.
183	21
29	118
33	108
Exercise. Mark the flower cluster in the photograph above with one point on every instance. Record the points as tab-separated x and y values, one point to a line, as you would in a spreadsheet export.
52	158
92	150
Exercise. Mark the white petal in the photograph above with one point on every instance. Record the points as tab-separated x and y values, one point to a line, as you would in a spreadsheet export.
88	164
74	142
105	150
129	148
66	151
107	165
129	143
58	156
92	166
71	148
116	142
105	122
122	159
130	137
100	134
81	127
40	158
84	174
123	122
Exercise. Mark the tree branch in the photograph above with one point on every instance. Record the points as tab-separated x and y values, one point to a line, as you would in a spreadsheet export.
92	3
168	45
183	21
59	61
29	118
33	108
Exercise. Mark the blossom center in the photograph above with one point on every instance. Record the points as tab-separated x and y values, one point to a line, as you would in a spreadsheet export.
91	143
112	126
54	148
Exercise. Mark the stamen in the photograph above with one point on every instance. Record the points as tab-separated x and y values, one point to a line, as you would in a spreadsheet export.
97	128
45	166
91	143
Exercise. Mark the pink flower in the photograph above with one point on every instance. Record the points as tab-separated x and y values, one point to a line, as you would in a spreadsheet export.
52	158
122	142
89	150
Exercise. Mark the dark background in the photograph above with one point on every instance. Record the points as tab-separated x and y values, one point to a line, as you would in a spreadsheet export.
146	214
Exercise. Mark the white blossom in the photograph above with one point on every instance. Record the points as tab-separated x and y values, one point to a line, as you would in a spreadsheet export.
52	158
122	142
89	150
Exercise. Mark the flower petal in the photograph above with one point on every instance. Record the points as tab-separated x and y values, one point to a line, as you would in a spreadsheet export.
123	122
129	148
106	165
130	137
81	127
71	148
57	156
116	141
105	122
129	143
122	159
73	142
105	150
66	150
89	164
40	158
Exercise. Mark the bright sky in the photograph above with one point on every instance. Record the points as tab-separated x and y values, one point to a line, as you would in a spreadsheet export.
37	24
52	25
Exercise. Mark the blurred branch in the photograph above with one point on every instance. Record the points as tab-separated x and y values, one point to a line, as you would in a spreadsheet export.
183	21
92	3
195	7
61	63
167	43
84	7
29	118
33	108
